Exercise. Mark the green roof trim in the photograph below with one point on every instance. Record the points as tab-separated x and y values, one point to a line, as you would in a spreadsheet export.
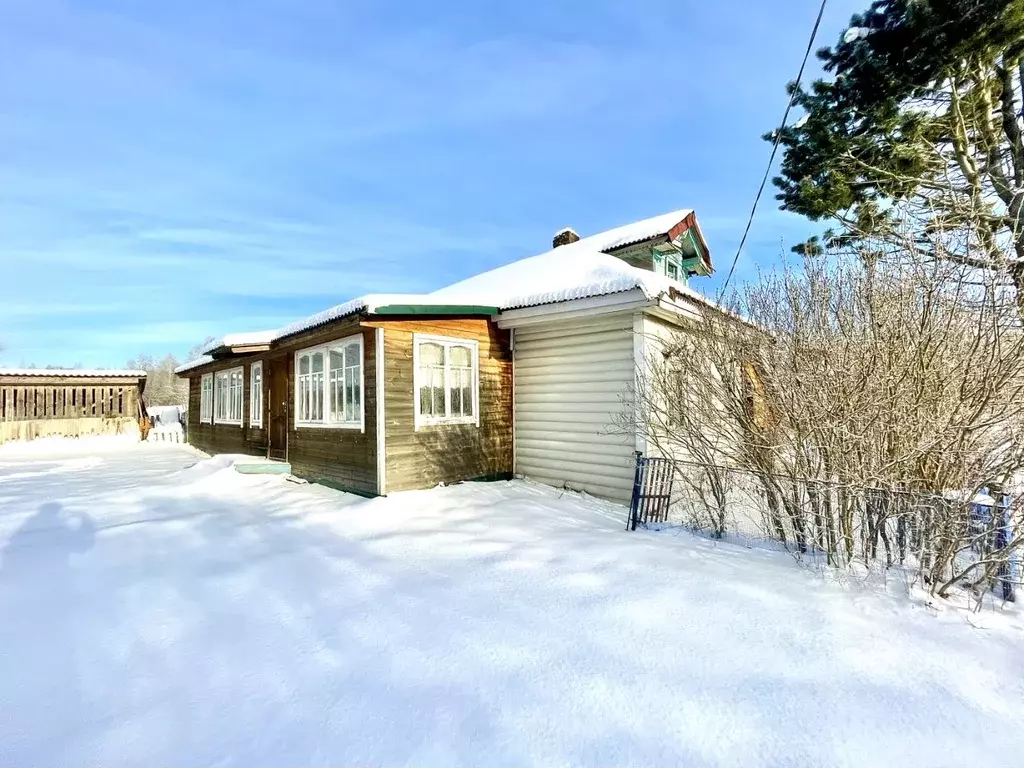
701	256
435	309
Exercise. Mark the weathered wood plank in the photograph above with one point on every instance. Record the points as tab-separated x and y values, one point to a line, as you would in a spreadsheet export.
446	453
341	456
348	457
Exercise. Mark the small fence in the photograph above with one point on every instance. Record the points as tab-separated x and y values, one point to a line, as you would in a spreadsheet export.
939	536
167	424
652	491
165	435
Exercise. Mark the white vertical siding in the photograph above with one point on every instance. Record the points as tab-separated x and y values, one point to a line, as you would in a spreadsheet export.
659	334
656	335
573	382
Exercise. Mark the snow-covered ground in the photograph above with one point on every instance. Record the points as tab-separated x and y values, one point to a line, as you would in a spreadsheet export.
161	609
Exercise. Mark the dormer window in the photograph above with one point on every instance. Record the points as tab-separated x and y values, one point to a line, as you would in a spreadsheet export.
672	270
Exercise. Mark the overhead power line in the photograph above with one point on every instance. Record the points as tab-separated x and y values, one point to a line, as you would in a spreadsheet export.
775	147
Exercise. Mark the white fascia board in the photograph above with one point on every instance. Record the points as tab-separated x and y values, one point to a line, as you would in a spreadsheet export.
570	310
380	382
677	311
639	367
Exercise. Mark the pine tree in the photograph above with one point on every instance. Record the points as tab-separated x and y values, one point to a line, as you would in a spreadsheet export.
918	125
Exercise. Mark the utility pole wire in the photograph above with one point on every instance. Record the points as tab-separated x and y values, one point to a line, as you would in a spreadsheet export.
775	147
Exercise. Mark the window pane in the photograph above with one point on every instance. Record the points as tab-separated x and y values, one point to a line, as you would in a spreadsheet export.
318	362
438	390
432	390
337	360
352	354
303	364
456	401
431	354
349	395
256	394
460	356
462	393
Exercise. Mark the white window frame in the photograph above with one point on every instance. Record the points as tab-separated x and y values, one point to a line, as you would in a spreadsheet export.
229	372
206	399
325	349
256	395
447	342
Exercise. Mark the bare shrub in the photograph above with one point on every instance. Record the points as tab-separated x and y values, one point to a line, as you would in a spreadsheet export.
871	395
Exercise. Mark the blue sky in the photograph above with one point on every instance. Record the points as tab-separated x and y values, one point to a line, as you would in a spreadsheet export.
170	171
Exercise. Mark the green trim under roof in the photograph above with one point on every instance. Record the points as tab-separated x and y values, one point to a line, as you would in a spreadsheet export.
435	309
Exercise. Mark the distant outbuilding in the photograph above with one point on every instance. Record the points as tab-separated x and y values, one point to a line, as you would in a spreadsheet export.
39	402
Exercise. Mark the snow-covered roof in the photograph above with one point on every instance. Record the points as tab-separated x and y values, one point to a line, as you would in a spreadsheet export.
79	373
579	270
251	338
563	274
201	360
636	232
371	304
336	312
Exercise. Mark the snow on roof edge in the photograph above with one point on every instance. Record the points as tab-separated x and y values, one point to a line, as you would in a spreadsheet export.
240	339
82	373
201	360
370	304
336	312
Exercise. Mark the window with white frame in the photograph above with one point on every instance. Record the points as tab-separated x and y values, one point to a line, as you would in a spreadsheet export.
206	398
447	382
329	384
227	397
256	395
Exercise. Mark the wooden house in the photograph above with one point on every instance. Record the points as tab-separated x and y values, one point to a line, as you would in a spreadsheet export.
38	402
521	370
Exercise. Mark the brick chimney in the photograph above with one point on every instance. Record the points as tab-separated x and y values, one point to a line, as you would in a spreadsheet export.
564	237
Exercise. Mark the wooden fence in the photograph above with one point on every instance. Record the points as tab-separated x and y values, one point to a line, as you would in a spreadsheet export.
28	403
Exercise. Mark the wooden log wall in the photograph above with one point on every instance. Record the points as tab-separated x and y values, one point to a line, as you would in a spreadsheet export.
446	453
224	438
348	458
344	458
